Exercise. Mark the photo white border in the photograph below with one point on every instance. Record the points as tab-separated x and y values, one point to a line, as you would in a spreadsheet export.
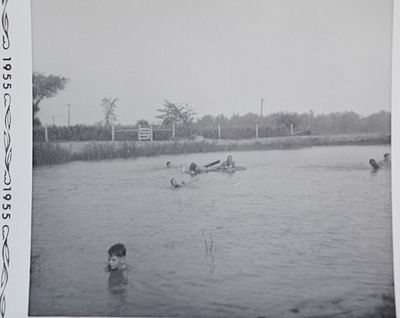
16	155
396	150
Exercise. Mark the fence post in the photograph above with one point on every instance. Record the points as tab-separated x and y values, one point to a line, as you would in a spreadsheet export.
173	130
256	130
46	134
112	133
151	132
291	129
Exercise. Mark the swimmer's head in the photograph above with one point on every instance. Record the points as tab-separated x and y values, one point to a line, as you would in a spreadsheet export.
373	163
192	167
116	256
176	183
386	156
229	158
168	164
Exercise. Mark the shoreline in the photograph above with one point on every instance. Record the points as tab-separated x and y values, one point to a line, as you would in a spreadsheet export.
62	152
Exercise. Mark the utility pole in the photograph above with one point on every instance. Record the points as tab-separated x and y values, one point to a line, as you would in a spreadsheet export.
262	102
69	114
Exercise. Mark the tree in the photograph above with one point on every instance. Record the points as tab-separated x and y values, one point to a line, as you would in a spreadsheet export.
187	119
142	122
109	105
44	87
288	119
170	113
206	121
178	114
235	120
221	120
377	123
250	119
348	122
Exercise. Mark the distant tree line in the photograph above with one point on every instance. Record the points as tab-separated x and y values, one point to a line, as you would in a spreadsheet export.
186	125
234	127
279	123
347	122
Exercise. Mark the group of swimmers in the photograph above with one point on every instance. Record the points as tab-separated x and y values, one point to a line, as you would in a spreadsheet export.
117	253
195	169
385	163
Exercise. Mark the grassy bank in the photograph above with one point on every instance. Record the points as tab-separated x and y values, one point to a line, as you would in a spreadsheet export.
55	153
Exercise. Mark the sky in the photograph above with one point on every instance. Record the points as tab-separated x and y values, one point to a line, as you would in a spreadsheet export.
217	56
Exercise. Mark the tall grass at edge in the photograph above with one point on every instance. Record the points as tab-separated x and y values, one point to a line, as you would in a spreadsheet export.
52	153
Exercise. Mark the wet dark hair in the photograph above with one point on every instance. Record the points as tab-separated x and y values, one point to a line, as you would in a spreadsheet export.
117	250
373	163
192	166
386	155
170	181
168	163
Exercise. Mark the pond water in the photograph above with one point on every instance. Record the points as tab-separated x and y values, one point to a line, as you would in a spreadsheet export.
299	233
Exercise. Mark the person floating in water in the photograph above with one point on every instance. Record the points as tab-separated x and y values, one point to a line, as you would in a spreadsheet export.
175	183
228	163
194	169
374	164
385	163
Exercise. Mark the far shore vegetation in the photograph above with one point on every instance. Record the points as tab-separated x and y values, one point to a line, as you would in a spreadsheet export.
61	152
179	129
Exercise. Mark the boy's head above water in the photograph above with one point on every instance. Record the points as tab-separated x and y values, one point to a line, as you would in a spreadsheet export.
116	256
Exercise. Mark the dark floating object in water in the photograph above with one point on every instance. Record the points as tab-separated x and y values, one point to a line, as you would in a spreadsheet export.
212	164
194	169
228	170
374	164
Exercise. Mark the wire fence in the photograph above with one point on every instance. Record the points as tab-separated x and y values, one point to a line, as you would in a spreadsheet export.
134	133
